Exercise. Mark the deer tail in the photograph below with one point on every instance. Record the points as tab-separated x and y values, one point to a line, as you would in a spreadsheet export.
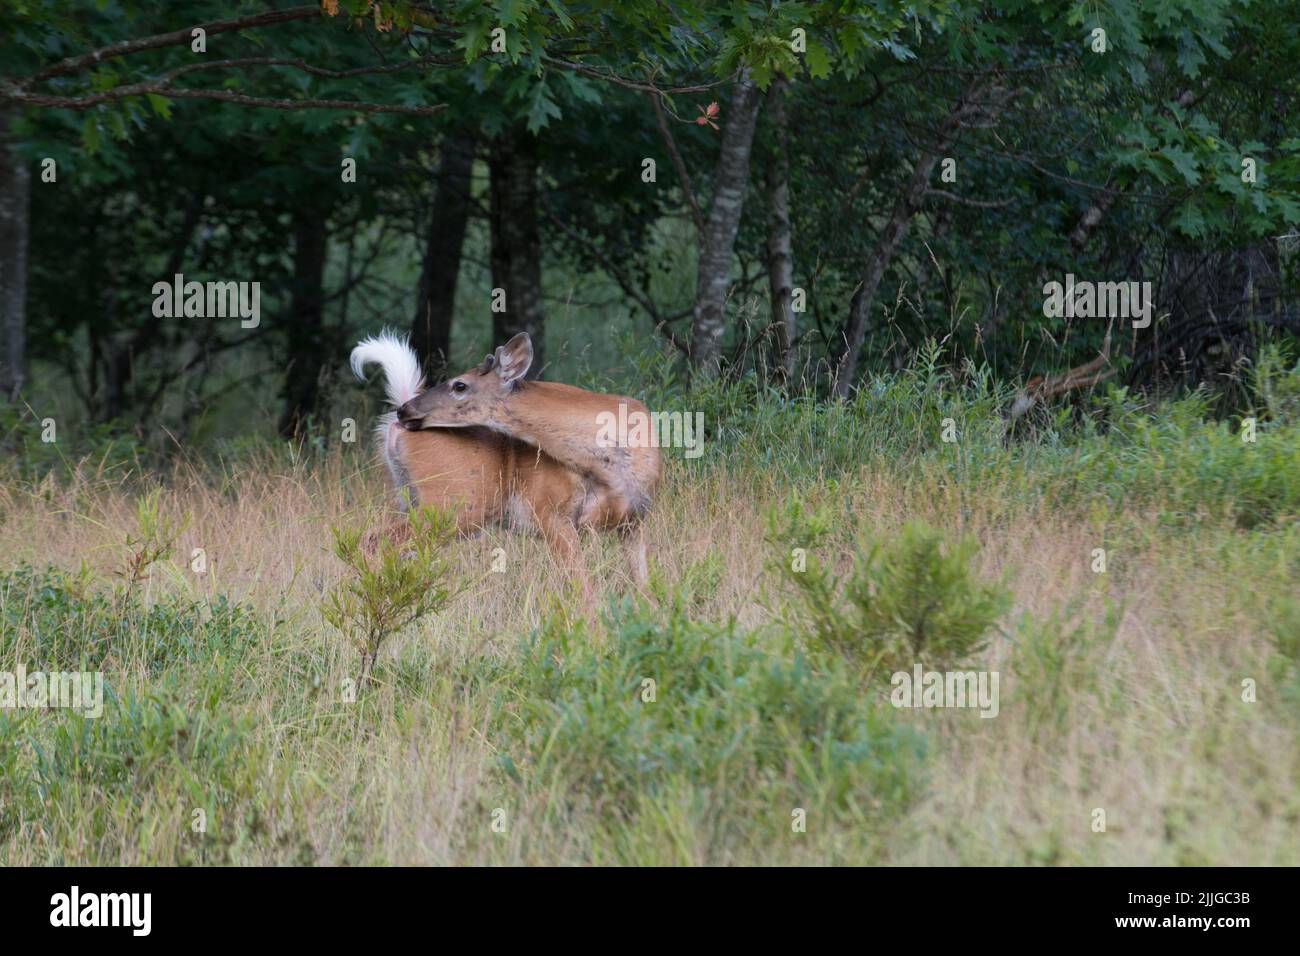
402	377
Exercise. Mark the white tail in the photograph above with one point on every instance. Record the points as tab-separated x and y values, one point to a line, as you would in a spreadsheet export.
402	377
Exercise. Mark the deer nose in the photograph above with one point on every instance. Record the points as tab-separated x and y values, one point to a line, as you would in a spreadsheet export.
406	414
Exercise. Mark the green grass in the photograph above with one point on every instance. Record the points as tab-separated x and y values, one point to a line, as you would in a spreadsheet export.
738	713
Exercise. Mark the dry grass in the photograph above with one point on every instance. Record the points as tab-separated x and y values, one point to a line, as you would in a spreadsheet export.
1155	731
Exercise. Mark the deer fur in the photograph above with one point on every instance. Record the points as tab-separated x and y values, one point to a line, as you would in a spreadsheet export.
488	478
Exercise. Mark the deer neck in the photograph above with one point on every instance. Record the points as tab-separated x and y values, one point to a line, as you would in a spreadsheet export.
566	430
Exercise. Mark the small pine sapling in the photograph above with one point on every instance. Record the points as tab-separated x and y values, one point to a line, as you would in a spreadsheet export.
407	577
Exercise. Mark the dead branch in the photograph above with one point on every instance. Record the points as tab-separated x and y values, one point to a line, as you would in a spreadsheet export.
1040	388
687	186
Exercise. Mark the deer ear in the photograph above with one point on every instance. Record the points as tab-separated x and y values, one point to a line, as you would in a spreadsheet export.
514	358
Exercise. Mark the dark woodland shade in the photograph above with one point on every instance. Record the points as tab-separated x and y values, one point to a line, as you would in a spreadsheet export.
800	225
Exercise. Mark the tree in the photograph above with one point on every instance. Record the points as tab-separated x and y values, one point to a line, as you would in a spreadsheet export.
448	219
15	185
780	256
730	183
516	241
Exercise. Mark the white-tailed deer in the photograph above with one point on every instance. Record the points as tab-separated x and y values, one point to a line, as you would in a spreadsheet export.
561	421
487	477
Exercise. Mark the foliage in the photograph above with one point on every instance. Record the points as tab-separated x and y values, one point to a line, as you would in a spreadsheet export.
153	539
1163	118
182	742
64	621
405	579
671	706
231	707
909	598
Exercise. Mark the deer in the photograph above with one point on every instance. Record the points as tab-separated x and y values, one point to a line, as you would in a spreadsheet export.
486	475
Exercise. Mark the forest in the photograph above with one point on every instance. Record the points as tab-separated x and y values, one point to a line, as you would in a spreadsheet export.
989	316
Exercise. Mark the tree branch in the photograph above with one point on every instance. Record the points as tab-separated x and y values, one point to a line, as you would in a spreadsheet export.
687	186
614	78
631	291
174	38
160	88
300	64
965	201
1040	388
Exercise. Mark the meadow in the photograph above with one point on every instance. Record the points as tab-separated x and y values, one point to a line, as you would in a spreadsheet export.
507	728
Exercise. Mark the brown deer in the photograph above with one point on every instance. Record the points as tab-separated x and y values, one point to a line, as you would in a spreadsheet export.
488	477
568	424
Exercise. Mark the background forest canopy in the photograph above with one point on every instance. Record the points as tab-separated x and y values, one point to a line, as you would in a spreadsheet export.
874	176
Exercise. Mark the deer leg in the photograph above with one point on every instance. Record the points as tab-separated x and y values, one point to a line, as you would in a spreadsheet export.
634	548
398	531
566	547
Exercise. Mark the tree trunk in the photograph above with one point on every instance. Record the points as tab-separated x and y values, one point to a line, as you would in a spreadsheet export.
436	299
895	230
122	353
15	222
780	257
874	270
516	241
730	180
1093	216
308	342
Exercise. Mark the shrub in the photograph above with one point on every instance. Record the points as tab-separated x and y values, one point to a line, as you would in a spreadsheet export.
407	578
912	599
671	707
55	620
1275	386
88	785
101	448
179	744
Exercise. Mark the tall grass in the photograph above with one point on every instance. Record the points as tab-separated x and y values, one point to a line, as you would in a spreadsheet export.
717	719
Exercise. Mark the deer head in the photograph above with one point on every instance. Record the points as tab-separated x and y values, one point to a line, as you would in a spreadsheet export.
475	397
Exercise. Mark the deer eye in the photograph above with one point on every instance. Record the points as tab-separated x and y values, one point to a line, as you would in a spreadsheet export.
459	387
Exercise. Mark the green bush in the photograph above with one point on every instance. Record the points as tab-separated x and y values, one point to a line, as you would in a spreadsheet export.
1193	468
1171	455
85	781
103	448
1276	386
726	716
53	620
911	599
407	577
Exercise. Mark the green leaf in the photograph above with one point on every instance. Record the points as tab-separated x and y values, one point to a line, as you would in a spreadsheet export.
541	109
819	60
90	135
511	13
1184	162
474	38
1288	206
161	105
1189	221
581	88
561	14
